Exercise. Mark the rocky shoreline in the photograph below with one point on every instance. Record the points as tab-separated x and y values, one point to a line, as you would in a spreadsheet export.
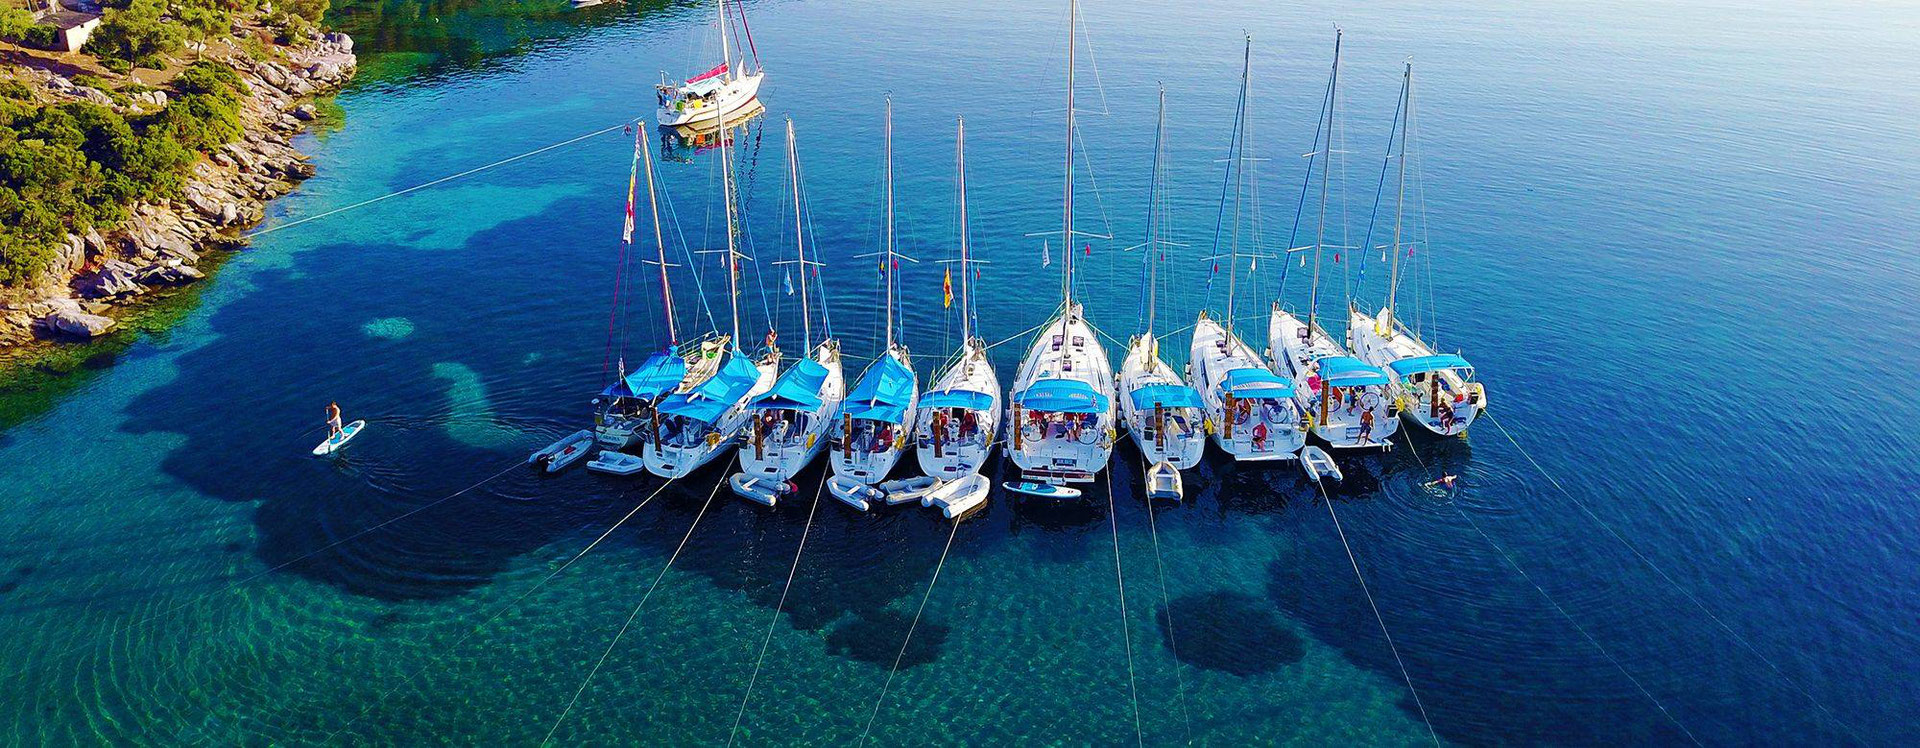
168	243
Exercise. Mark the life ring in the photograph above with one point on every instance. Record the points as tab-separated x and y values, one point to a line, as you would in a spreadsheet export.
1370	400
1033	431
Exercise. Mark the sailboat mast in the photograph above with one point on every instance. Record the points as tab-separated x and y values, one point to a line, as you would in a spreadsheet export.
726	54
1400	195
966	284
659	243
1239	165
1066	211
799	237
1326	170
1153	199
886	256
733	255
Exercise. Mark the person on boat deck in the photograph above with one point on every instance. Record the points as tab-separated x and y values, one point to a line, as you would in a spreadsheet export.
333	420
1260	435
1366	424
969	424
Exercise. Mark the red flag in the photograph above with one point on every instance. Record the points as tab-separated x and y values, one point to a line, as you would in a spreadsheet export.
1336	258
1089	249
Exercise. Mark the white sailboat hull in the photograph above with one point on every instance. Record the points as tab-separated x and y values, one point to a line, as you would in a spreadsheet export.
1184	441
1052	447
681	460
1442	402
734	96
1258	428
779	453
1344	422
958	450
867	458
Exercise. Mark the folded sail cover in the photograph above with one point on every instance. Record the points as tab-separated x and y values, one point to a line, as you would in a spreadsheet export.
661	372
1407	367
1347	371
713	397
967	399
1168	395
1062	396
1252	382
798	389
883	392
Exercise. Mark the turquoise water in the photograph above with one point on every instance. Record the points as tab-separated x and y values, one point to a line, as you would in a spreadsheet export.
1677	241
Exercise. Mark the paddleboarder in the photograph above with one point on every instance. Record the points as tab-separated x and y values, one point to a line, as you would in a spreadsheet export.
333	421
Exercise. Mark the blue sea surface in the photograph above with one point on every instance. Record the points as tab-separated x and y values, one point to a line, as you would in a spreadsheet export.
1678	241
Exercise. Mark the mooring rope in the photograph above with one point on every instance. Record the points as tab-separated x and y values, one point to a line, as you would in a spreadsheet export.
1328	500
1126	633
898	656
1675	584
1160	568
635	614
282	565
501	610
442	180
777	608
1508	557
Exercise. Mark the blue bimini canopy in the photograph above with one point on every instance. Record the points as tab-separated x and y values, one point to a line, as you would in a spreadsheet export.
1407	367
1347	371
1251	382
798	389
883	392
1169	395
661	372
617	389
1063	396
713	397
967	399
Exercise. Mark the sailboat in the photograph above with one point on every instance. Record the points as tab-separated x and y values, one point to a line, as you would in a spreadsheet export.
960	414
877	417
1348	402
703	416
718	92
1435	390
1061	415
627	404
1162	413
1250	408
790	421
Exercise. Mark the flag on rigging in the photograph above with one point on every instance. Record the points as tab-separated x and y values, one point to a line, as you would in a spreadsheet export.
1089	249
1046	256
787	280
946	289
626	233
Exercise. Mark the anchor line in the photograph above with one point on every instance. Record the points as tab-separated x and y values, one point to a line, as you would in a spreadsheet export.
1126	634
1160	568
898	656
502	610
1328	500
635	614
777	608
279	566
1511	563
1675	584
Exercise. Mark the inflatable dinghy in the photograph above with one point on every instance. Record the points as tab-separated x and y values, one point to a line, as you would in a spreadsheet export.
616	463
761	491
909	490
1045	490
335	442
560	454
1319	464
957	497
1163	482
856	494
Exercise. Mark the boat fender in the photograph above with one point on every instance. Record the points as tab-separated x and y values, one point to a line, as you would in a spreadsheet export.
713	438
1306	421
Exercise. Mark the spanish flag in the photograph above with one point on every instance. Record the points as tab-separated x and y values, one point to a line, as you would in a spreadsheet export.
946	287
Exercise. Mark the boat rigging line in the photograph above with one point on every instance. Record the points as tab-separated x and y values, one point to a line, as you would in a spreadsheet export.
892	671
282	565
1328	500
1675	584
1126	633
777	608
636	611
1160	568
510	604
1508	557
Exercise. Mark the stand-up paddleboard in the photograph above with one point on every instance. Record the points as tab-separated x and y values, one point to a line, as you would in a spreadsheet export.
1044	490
335	442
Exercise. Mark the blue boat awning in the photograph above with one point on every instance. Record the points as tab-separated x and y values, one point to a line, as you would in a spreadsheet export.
1407	367
1251	382
967	399
1062	396
798	389
1168	395
713	397
883	392
661	372
1347	371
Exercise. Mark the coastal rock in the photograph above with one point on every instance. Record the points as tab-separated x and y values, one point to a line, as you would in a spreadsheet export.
65	317
59	83
341	41
229	214
94	95
117	279
305	112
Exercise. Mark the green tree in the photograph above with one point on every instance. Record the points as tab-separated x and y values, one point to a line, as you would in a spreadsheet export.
139	35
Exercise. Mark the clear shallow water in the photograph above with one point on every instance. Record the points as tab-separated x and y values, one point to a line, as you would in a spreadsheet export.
1679	243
